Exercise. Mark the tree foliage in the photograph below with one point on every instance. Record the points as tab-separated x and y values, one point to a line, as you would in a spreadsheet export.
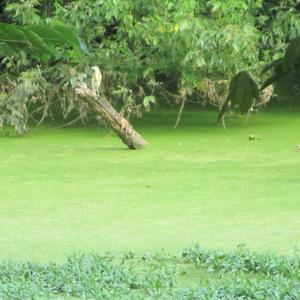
170	51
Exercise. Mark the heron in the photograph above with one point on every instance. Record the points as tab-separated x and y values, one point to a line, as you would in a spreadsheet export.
96	80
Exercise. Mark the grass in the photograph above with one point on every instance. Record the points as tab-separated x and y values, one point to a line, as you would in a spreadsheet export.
79	189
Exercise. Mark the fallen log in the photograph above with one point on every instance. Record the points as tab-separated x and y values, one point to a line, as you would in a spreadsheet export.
111	117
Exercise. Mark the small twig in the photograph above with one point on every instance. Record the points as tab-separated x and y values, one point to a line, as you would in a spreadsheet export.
69	123
224	125
180	112
46	107
36	110
33	118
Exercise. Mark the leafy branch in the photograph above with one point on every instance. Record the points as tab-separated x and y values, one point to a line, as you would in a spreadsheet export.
244	91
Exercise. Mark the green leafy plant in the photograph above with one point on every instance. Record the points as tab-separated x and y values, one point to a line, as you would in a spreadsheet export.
240	274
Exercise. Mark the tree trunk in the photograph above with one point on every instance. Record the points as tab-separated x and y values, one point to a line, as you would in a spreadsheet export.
111	117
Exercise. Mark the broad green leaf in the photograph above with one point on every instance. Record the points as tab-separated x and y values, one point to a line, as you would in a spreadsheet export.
37	40
13	36
68	34
48	35
243	91
6	50
38	46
